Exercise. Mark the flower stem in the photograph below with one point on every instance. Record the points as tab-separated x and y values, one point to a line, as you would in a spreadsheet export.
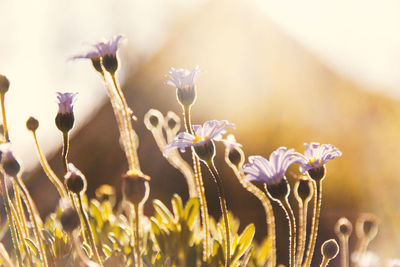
89	231
3	113
65	151
134	161
6	201
303	207
292	231
344	251
324	262
33	215
136	236
200	186
269	213
224	210
317	185
49	172
21	212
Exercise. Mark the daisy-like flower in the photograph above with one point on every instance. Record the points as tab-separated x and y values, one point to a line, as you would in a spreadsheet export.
103	52
184	80
204	135
316	156
65	116
272	171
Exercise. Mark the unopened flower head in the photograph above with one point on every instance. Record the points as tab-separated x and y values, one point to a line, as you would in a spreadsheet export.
233	151
210	130
317	155
65	116
184	81
75	180
8	161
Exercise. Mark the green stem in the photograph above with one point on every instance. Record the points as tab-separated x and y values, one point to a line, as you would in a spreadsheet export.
224	210
89	231
292	231
6	201
200	186
317	185
65	151
49	172
137	237
33	215
134	164
3	113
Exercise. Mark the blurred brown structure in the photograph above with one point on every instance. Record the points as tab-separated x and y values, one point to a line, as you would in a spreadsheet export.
278	94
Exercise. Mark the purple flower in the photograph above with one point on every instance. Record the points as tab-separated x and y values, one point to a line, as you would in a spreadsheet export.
317	155
183	78
270	171
210	130
102	48
65	102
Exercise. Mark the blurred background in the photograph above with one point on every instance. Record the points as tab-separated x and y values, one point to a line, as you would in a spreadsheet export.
285	73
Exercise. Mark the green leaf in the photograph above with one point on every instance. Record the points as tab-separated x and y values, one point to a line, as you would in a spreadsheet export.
177	206
244	241
164	213
32	246
191	211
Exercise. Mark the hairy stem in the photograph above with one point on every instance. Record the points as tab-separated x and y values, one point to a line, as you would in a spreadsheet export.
47	169
89	231
200	186
3	113
317	185
344	251
137	236
65	151
222	201
292	231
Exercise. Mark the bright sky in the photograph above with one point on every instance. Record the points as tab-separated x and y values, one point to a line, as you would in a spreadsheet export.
357	38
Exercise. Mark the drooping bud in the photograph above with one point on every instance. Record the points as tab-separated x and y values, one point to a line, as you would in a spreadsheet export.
75	180
330	249
172	122
32	124
233	152
69	220
8	161
135	187
343	227
4	84
65	116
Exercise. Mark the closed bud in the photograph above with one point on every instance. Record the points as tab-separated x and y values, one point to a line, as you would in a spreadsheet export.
153	119
330	249
343	227
4	84
135	187
367	226
32	124
10	165
303	189
75	180
65	116
69	220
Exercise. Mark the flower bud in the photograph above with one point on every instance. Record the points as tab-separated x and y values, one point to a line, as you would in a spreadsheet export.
110	63
303	189
343	227
278	191
4	84
153	119
367	226
330	249
32	124
235	157
75	180
69	220
10	165
206	151
65	116
317	174
186	96
135	188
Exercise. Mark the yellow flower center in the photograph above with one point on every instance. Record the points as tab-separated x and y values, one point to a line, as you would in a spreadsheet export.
199	138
